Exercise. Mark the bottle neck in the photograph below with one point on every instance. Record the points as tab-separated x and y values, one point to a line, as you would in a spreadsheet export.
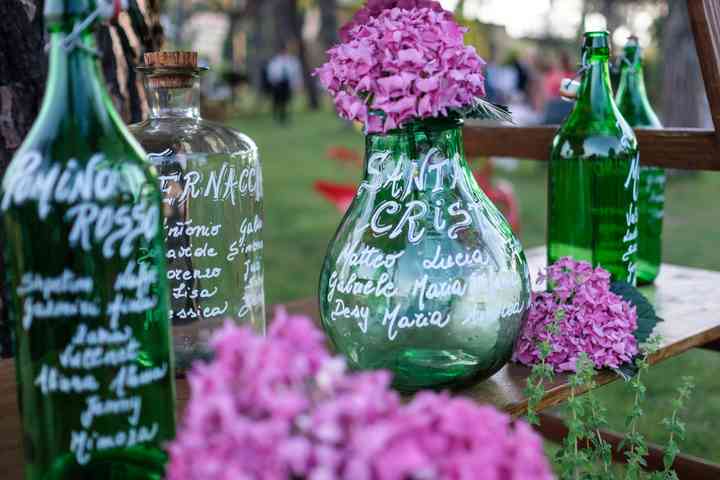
427	152
595	95
174	99
631	90
75	91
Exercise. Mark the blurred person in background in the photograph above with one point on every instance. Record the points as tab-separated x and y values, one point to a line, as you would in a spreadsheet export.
525	100
557	109
284	75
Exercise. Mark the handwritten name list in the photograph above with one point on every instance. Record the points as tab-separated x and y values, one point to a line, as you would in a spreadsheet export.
99	371
214	238
428	253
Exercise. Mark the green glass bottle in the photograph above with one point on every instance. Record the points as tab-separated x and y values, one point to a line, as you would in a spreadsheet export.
594	175
424	276
634	105
85	270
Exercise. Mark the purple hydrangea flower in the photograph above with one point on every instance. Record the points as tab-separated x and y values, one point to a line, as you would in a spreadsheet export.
281	407
373	8
403	62
590	318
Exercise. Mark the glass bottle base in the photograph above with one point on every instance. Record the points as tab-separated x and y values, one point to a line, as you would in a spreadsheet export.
647	272
603	258
417	369
135	463
556	251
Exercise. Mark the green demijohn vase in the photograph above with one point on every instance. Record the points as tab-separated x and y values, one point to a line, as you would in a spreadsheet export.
85	270
593	179
211	182
424	276
635	107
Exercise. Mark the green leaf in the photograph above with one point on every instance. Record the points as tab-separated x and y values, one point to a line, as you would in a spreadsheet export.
627	371
647	317
481	109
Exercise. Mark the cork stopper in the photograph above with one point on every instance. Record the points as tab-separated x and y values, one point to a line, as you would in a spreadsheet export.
633	41
173	60
171	69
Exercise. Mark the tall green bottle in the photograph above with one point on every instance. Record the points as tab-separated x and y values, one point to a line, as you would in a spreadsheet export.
634	105
85	270
594	175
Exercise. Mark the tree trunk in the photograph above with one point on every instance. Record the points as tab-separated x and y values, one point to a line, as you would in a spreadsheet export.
296	23
609	9
684	101
23	71
329	23
123	43
261	38
584	11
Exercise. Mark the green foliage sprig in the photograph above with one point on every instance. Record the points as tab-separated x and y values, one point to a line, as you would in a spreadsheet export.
634	441
542	371
676	429
584	454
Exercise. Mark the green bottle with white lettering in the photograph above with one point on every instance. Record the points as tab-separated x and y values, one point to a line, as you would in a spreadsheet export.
88	296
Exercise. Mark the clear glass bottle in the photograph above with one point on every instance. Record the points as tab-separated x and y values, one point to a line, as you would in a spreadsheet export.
211	182
85	266
594	175
635	106
424	276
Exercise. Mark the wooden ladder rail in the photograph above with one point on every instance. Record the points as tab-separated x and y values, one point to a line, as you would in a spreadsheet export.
705	22
679	148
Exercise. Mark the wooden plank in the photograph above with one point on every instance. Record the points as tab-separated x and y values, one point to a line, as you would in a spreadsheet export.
686	466
687	149
705	22
714	346
685	297
11	450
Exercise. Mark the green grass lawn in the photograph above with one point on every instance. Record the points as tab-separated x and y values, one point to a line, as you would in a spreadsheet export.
299	225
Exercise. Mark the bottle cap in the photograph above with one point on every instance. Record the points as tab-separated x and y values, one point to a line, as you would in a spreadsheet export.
171	69
569	89
110	9
597	43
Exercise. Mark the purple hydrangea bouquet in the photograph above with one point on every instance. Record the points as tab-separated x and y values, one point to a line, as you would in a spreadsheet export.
401	60
281	407
581	314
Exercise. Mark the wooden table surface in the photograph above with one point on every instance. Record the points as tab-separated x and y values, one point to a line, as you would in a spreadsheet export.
686	298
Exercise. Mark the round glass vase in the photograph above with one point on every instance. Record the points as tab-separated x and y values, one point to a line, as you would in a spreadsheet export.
424	276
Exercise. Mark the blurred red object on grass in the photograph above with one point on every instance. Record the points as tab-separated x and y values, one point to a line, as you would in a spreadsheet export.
344	155
500	192
340	195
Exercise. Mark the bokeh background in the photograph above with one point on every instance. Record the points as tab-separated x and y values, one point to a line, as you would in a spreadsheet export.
528	45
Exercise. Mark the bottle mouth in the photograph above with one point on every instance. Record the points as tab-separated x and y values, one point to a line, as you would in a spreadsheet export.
169	77
153	71
596	44
633	42
171	69
439	123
